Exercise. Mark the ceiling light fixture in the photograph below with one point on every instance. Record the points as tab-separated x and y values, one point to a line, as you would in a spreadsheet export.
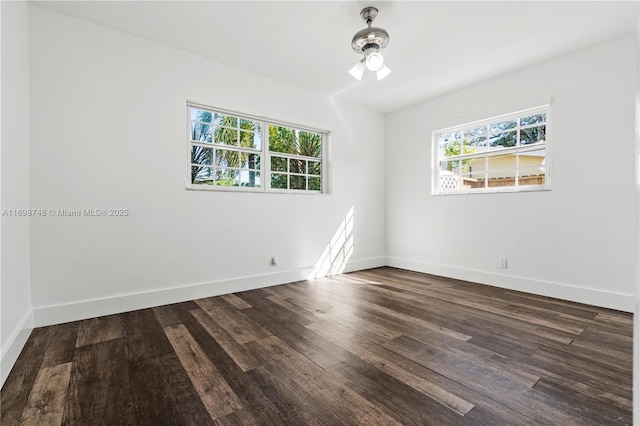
370	42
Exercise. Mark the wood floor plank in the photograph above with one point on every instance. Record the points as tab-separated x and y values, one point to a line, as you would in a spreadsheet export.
342	401
218	398
235	350
579	380
292	333
101	329
583	366
235	301
480	379
438	311
381	346
16	389
249	393
332	309
293	308
62	343
297	405
237	324
241	417
48	395
145	336
485	410
582	408
401	402
524	313
164	395
169	314
99	389
345	341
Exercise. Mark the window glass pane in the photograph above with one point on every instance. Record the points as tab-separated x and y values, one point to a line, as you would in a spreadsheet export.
448	137
505	125
534	119
468	180
502	170
531	170
226	136
281	139
278	181
476	137
227	158
315	168
297	166
257	140
225	120
476	168
200	115
227	177
457	147
309	144
247	139
246	124
297	182
278	164
315	183
200	132
249	161
532	135
531	176
201	175
503	140
249	178
201	155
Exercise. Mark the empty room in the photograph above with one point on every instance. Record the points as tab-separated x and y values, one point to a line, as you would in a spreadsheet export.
319	213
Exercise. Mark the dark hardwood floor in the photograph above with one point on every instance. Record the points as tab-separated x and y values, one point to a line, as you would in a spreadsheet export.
384	346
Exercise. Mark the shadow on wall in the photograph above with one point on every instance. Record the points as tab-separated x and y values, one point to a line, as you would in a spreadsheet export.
335	256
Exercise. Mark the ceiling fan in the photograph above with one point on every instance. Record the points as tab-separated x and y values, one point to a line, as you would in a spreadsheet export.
370	42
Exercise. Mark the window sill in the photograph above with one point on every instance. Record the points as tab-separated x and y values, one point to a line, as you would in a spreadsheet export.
238	189
532	188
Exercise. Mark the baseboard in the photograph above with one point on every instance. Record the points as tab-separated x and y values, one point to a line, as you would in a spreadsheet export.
370	263
11	350
612	300
57	314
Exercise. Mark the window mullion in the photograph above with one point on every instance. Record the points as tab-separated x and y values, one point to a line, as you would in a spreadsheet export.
266	155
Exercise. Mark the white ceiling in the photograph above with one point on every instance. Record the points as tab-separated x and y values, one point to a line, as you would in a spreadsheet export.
435	46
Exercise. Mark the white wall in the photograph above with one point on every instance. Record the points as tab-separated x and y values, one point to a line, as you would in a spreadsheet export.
15	294
109	129
578	241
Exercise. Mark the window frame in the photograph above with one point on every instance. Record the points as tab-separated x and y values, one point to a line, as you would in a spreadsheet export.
264	152
497	119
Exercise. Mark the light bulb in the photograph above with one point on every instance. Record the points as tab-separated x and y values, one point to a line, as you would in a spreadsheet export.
374	61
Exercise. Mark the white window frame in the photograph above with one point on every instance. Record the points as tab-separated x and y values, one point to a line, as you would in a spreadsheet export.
546	145
264	152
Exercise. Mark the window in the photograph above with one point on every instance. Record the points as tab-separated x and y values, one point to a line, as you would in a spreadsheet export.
230	151
506	153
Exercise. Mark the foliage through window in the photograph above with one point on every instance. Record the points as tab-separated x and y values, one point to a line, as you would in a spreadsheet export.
235	152
503	153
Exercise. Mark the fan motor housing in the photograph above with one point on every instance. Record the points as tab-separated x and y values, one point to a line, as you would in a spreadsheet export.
368	38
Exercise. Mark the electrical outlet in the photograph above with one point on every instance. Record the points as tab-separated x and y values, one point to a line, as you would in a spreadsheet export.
274	260
502	262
